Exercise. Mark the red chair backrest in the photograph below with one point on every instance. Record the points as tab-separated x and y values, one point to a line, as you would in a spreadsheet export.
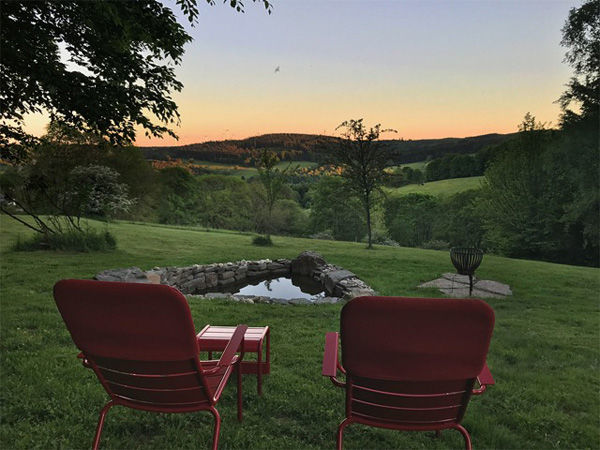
404	356
139	338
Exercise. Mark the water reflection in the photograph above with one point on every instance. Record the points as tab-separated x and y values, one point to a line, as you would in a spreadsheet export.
283	287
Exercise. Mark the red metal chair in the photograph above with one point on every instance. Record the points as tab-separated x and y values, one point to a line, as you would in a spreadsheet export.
139	339
410	363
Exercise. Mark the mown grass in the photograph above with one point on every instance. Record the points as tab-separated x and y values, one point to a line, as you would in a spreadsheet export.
544	353
442	187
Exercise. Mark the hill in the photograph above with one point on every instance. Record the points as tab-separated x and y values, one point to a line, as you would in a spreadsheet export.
544	352
309	147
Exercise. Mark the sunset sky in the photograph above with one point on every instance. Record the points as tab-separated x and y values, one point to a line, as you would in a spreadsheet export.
429	69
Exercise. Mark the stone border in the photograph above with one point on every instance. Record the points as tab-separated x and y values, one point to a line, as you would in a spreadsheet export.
198	280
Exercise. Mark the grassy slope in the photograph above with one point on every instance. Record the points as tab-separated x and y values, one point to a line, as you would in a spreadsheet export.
442	187
544	353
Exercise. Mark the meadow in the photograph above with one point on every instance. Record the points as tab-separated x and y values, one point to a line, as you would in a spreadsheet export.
544	353
441	187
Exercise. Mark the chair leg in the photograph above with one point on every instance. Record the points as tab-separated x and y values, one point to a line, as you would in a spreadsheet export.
238	371
340	432
217	429
101	424
466	435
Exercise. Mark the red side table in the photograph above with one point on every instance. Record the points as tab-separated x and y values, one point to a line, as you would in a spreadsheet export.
215	338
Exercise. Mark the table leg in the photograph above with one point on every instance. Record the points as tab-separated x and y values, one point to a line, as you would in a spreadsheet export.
259	368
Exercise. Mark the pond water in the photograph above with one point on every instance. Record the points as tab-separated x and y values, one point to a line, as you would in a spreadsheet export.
282	287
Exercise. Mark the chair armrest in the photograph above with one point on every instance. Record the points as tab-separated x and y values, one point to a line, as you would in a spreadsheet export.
330	356
228	356
484	379
330	359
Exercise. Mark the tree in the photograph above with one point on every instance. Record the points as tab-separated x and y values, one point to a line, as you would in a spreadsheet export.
273	181
581	34
68	177
362	159
524	197
102	67
336	210
579	144
410	218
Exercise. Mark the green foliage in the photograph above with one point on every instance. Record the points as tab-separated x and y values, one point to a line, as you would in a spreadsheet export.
87	240
262	241
436	244
459	222
410	218
178	195
541	196
362	160
289	218
66	182
403	176
120	72
581	35
335	209
273	180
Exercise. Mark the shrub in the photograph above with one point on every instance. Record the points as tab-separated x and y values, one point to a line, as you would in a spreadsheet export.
263	241
324	235
436	244
78	241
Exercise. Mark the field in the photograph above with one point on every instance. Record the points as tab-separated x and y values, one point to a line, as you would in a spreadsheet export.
442	187
544	352
231	169
415	165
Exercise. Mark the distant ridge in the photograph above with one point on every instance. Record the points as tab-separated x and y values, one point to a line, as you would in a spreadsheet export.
311	147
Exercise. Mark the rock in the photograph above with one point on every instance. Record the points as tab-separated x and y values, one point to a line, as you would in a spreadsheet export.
326	300
129	275
299	301
195	285
457	286
493	287
276	266
306	263
154	276
246	300
226	275
334	277
211	279
352	293
226	282
257	266
261	274
216	295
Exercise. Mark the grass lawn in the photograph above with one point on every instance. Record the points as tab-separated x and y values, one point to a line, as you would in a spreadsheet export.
544	352
442	187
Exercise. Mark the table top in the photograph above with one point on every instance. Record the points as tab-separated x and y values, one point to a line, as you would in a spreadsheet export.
212	333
